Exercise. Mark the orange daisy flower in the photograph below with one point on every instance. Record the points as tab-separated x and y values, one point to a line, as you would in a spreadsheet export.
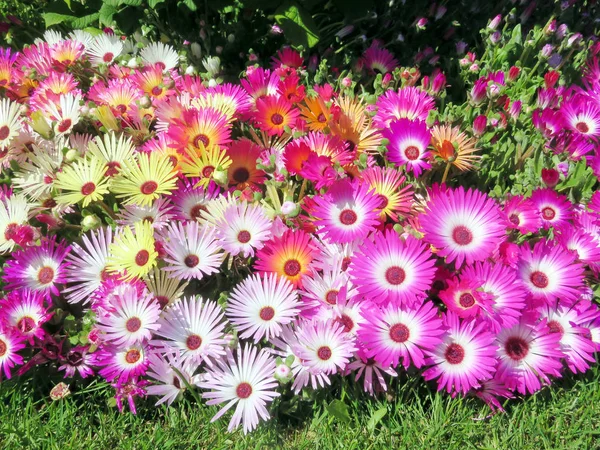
353	126
316	113
454	147
274	114
243	172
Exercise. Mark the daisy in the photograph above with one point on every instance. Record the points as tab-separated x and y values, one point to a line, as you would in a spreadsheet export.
193	327
274	114
410	103
581	116
23	312
39	268
464	299
464	226
243	171
134	254
348	310
371	371
287	57
171	385
86	268
316	113
204	165
259	306
245	379
465	357
104	48
122	363
528	354
553	209
408	142
82	181
453	147
66	114
490	390
143	181
14	212
378	60
389	269
347	212
132	321
161	54
354	126
192	251
289	255
10	121
10	344
398	334
200	130
243	229
190	199
116	99
324	347
519	213
165	290
321	288
549	272
395	194
581	243
78	359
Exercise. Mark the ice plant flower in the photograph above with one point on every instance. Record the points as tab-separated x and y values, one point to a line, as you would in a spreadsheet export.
409	142
454	147
275	114
243	229
10	344
83	182
133	254
23	312
122	363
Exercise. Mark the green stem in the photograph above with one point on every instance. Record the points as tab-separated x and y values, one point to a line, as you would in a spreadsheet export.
446	172
107	209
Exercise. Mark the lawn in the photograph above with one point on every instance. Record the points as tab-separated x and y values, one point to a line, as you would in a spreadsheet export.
567	415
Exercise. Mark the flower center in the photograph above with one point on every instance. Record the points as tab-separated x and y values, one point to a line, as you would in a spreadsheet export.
466	300
322	118
201	138
64	125
193	342
412	152
75	358
346	263
46	275
10	231
266	313
142	257
112	168
548	213
108	57
331	297
156	91
399	333
582	127
191	261
277	119
324	353
244	237
148	187
133	324
383	201
348	217
88	188
162	300
555	327
3	348
347	322
4	132
292	267
26	324
462	235
132	356
241	175
395	275
244	390
121	108
516	348
207	171
454	354
196	211
539	280
514	219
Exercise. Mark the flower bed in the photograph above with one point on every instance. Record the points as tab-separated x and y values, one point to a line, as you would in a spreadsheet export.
169	233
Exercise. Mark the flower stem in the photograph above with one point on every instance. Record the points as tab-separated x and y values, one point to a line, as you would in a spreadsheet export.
446	172
109	211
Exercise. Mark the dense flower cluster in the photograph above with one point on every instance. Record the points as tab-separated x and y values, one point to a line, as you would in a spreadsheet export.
235	238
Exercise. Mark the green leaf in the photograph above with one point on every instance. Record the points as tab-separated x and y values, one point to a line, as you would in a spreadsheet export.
376	418
297	24
191	5
106	14
516	37
83	22
132	2
54	18
339	410
152	3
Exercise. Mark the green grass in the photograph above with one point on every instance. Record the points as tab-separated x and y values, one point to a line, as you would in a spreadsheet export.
564	416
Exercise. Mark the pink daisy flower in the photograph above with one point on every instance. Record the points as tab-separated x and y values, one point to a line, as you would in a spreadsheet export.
190	201
258	307
10	344
490	390
389	269
193	327
38	268
553	209
465	299
122	363
408	103
245	380
465	226
528	354
78	360
23	312
371	371
465	357
549	272
243	229
133	319
581	116
171	382
274	114
378	60
399	334
520	214
408	145
586	249
347	212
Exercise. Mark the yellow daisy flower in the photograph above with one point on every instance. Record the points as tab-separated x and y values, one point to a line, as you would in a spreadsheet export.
203	164
133	253
83	180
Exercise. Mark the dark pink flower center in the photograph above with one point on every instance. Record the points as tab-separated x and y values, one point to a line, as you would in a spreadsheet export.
331	297
514	219
3	348
148	187
347	322
132	356
162	300
348	217
582	127
466	300
26	324
133	324
4	132
395	275
548	213
412	152
196	211
191	261
324	353
112	168
207	171
156	90
266	313
244	237
241	175
108	57
346	263
193	342
277	119
64	125
516	348
322	118
244	390
462	235
292	267
201	138
539	280
383	201
88	188
454	353
555	327
399	333
142	258
46	275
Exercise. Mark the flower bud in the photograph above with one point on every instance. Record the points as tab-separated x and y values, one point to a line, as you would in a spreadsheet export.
438	84
495	22
461	47
196	50
288	208
347	82
546	51
550	177
283	373
479	125
562	31
91	222
71	155
513	73
132	63
474	67
422	23
495	37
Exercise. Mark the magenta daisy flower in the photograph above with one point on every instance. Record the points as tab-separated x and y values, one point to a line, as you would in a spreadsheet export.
23	312
408	103
408	145
132	321
549	272
378	60
193	327
259	306
581	116
243	229
553	209
465	299
347	212
324	347
38	268
465	357
583	244
78	360
465	226
527	354
399	334
191	251
490	390
190	201
389	269
245	379
371	371
122	363
10	344
520	214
